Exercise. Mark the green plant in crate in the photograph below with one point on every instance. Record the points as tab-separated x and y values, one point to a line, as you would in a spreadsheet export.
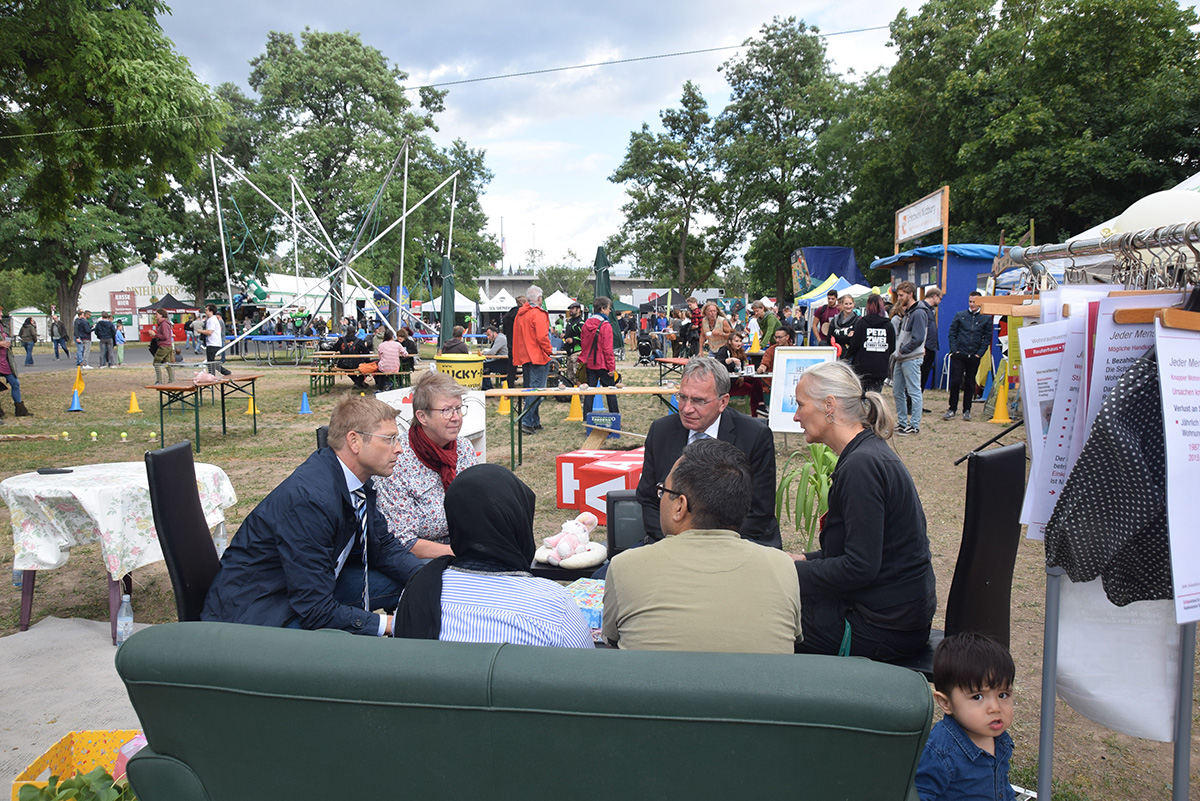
96	785
808	482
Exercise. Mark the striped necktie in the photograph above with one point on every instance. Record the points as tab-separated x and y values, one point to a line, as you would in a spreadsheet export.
696	436
360	509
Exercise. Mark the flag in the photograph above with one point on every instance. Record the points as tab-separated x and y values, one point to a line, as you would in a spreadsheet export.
503	246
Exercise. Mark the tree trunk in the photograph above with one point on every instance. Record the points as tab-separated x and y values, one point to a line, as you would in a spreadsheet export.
67	291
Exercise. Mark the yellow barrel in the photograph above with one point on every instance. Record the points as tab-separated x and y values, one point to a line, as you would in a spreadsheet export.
464	368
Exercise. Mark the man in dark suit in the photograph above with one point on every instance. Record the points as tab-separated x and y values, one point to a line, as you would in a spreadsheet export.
302	557
703	397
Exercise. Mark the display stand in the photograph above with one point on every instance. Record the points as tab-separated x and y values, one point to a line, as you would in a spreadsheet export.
1179	269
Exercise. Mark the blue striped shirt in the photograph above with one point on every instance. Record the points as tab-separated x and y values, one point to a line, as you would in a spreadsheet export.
522	610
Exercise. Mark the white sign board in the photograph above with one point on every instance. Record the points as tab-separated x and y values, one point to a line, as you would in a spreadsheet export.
1179	380
790	364
920	218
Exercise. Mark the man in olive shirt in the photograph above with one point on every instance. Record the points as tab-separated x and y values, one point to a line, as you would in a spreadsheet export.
702	587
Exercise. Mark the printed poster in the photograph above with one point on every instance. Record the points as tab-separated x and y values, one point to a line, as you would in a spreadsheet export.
790	364
1179	379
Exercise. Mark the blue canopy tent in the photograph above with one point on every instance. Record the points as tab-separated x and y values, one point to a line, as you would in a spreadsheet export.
968	268
826	261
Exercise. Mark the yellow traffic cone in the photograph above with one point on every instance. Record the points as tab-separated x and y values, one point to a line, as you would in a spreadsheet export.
250	407
755	345
1001	413
133	404
505	408
576	413
78	385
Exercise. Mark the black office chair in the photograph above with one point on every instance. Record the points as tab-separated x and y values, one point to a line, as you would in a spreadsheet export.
981	591
322	437
183	532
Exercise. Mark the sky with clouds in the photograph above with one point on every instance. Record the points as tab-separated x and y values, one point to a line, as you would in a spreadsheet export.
553	139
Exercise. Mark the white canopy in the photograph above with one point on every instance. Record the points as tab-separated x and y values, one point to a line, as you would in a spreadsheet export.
462	304
558	302
501	302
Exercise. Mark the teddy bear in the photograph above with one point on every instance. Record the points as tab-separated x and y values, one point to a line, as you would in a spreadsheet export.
570	547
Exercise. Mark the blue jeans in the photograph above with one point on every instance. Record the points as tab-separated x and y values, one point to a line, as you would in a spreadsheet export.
906	383
28	352
535	378
14	384
61	343
82	349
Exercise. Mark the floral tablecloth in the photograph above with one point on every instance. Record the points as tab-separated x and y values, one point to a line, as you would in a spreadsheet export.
105	503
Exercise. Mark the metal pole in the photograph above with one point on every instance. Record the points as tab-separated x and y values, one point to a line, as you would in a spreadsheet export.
224	258
1181	773
1054	577
398	290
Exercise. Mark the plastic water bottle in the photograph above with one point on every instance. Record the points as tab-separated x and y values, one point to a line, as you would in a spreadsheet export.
220	539
124	620
18	577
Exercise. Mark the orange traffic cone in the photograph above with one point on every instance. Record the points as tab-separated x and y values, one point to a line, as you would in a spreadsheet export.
505	404
576	413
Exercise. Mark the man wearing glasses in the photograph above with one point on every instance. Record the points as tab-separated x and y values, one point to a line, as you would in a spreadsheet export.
724	594
316	553
703	397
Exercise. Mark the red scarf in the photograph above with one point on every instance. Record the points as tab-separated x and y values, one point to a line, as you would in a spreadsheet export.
443	461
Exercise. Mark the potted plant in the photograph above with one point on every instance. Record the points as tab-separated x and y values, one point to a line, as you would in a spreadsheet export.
808	482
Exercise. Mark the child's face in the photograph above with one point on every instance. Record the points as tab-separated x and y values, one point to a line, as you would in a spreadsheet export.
983	714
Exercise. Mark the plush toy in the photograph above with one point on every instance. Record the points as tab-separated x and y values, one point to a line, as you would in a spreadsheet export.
570	547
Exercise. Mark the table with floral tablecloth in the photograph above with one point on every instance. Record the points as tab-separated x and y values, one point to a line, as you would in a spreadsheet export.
105	503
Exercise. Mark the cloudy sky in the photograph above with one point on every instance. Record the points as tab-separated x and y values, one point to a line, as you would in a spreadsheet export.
553	139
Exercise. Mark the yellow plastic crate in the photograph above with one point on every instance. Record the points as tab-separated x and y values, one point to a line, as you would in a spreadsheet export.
77	752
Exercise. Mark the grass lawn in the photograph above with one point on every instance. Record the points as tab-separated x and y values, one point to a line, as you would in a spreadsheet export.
1090	761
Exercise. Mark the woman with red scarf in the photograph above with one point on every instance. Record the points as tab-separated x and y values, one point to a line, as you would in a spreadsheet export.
411	498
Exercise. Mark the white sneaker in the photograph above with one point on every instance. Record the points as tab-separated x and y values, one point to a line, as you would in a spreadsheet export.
87	367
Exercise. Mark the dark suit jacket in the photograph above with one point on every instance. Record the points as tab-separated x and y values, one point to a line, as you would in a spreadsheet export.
666	441
279	568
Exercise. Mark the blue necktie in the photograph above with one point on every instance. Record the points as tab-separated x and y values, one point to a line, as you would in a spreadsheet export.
360	509
696	436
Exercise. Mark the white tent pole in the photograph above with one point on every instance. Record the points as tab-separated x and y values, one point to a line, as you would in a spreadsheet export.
221	233
295	238
403	216
397	290
304	197
366	286
242	176
453	198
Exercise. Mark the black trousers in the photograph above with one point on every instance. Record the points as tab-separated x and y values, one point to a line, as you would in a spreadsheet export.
210	356
602	378
823	620
962	375
927	367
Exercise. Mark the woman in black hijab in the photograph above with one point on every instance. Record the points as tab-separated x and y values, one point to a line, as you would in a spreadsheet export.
485	592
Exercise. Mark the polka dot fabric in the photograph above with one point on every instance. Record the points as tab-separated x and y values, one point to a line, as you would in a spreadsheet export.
1111	519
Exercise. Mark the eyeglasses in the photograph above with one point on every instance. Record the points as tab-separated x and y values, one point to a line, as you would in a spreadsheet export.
662	488
699	402
393	439
449	411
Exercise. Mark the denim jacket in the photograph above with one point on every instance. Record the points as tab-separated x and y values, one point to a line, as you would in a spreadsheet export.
953	768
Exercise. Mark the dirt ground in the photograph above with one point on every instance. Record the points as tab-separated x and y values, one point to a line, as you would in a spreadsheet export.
1090	761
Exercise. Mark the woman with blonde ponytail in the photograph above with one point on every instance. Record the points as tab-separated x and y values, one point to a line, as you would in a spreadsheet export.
870	588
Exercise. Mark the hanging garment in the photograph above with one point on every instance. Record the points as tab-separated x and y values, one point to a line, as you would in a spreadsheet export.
1111	519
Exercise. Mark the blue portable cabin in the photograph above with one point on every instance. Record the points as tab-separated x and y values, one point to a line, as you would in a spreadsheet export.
968	268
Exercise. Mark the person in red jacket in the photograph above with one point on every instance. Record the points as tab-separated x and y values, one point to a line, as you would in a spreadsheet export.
597	353
531	350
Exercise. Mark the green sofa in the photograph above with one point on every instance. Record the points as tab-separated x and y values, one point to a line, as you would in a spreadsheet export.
241	712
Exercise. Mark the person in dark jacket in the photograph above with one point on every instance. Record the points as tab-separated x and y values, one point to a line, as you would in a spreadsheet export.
869	350
456	343
572	338
352	344
872	579
316	553
106	332
83	338
933	298
841	327
910	347
970	338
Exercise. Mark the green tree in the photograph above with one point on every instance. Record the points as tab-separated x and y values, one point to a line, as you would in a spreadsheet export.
783	101
576	282
334	113
673	187
92	86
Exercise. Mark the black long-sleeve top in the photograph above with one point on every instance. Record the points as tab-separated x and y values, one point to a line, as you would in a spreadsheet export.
874	550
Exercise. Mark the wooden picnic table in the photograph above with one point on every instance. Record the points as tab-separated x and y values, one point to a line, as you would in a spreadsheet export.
189	395
516	440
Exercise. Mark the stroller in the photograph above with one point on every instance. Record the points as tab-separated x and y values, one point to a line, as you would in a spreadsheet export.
645	346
